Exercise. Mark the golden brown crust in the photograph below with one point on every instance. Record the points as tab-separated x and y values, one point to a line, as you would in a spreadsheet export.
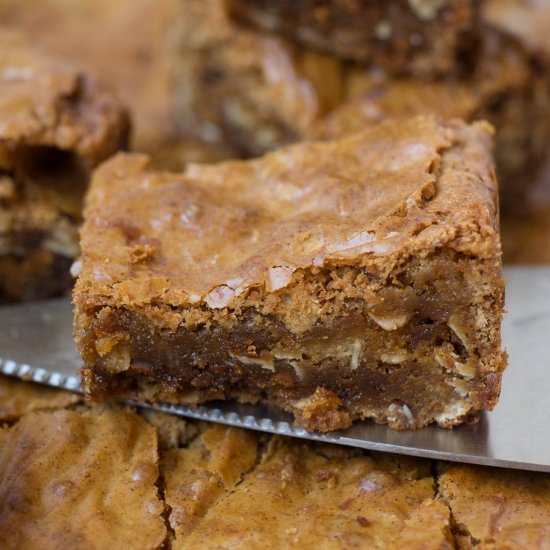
494	508
371	198
18	398
80	479
303	496
206	472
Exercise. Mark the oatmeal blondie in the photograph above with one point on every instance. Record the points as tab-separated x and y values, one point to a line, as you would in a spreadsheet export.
494	508
56	124
414	37
351	279
301	495
80	479
252	91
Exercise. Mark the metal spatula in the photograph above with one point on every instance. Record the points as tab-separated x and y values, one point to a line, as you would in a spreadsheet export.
36	344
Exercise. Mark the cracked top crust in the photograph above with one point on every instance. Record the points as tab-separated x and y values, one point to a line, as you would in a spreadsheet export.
206	236
204	473
304	496
44	102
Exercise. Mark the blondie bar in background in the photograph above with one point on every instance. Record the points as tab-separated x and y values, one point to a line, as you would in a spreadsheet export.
56	124
253	89
98	36
404	37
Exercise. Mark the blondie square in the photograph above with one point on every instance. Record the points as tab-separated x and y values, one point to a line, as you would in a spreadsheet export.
248	90
509	86
342	280
301	495
496	508
80	479
56	124
251	91
413	37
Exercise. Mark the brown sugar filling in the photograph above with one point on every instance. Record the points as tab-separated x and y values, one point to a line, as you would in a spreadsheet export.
401	358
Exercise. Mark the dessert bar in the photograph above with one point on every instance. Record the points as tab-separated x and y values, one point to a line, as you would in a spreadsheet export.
418	38
252	91
358	278
80	479
56	124
303	495
147	52
248	90
495	507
